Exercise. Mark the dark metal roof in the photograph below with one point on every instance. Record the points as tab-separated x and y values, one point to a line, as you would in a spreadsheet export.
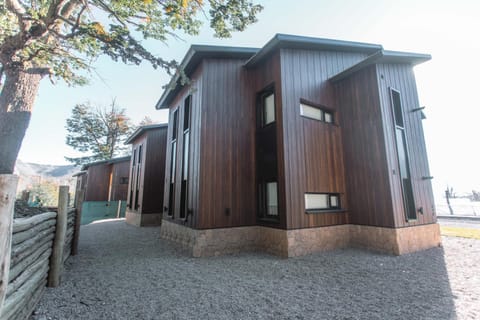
299	42
383	56
80	173
143	129
193	58
108	161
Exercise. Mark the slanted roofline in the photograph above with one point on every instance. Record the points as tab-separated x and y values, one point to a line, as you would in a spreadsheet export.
108	161
300	42
193	58
383	56
143	129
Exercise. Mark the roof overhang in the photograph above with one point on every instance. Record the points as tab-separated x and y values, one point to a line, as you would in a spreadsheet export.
280	41
143	129
108	161
192	59
383	56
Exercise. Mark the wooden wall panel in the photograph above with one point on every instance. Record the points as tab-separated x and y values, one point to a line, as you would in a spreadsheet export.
195	88
313	157
154	170
264	75
366	171
401	78
120	170
98	179
227	166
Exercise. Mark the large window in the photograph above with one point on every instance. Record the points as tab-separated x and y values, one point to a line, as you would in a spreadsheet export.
402	156
310	111
322	201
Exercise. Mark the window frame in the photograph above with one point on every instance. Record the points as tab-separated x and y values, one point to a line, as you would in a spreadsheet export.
330	207
261	110
323	110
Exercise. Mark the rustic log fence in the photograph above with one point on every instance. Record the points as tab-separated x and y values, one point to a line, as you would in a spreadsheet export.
38	253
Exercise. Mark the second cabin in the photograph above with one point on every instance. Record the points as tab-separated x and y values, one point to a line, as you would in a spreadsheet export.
147	174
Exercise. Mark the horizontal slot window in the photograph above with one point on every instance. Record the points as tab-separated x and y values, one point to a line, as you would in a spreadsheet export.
316	113
322	201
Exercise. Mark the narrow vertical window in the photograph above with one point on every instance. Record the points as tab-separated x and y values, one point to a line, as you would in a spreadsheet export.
132	175
272	199
266	157
402	156
138	176
268	109
185	160
173	162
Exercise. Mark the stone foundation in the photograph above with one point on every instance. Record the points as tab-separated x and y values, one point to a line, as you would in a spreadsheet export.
396	241
291	243
143	220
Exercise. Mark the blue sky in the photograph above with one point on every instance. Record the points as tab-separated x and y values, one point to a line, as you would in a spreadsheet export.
447	85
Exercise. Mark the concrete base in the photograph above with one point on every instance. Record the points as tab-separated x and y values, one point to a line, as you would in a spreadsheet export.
143	220
291	243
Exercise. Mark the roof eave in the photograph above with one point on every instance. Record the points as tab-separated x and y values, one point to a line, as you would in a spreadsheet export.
382	56
291	41
142	129
189	65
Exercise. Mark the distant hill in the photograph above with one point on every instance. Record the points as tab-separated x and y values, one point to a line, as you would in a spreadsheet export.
34	173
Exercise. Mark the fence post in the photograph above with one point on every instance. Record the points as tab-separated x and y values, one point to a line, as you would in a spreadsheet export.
78	220
56	261
119	208
8	187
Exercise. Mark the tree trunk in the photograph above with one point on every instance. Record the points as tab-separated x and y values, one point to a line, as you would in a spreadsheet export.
16	103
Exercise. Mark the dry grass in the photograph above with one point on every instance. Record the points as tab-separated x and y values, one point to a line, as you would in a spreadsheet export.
460	232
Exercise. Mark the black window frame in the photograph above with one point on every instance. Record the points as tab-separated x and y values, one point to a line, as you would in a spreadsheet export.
187	114
261	111
173	164
323	109
330	207
408	195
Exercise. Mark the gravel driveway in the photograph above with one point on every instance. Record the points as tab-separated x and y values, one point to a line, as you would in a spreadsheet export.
124	272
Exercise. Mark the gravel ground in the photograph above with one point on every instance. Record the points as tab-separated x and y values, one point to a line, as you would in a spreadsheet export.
123	272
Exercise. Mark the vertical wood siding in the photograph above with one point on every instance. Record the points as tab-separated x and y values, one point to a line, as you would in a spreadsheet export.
154	170
119	170
195	88
227	166
98	180
366	171
401	78
264	75
313	160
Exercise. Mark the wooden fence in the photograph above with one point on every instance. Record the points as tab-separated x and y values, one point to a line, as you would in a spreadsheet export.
32	260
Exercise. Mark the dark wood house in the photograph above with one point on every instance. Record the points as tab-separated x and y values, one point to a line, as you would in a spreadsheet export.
106	184
303	145
147	174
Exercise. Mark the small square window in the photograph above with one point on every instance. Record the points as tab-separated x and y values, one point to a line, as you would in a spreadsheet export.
328	117
123	180
334	203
